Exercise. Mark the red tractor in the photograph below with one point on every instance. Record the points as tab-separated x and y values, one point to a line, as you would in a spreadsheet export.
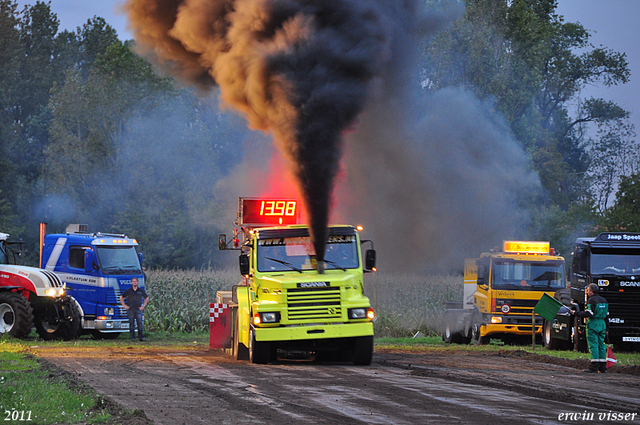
33	297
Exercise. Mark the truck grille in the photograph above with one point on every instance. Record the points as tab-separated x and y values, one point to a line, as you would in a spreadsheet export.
624	305
519	306
313	304
113	296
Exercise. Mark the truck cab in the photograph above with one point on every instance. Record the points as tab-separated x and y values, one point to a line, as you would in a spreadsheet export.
501	289
612	261
287	301
96	268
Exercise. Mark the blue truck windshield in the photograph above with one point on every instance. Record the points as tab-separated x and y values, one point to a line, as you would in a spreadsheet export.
528	276
286	254
118	260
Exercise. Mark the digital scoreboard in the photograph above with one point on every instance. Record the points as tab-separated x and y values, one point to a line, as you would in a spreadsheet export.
268	211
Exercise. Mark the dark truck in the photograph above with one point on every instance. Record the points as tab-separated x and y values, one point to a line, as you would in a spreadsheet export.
612	261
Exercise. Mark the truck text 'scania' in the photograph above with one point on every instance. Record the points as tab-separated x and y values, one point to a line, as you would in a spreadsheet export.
500	291
289	301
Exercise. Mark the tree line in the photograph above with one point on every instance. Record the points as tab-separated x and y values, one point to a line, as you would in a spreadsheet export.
533	65
90	132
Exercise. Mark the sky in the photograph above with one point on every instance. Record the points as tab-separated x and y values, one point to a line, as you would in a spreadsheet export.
614	24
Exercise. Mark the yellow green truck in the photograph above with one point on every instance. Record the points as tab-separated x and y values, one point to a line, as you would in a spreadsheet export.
285	301
501	289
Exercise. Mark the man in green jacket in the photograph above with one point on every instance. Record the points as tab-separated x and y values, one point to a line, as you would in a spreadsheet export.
596	312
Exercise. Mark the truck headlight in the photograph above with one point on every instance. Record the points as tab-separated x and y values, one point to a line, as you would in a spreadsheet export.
358	313
361	313
268	317
108	311
496	319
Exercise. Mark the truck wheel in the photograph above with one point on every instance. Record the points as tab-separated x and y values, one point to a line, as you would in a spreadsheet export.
579	342
475	332
259	351
363	350
16	315
549	342
448	335
104	335
240	351
563	295
66	329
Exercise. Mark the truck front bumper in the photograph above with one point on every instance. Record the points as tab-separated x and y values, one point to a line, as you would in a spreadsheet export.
316	331
514	325
107	325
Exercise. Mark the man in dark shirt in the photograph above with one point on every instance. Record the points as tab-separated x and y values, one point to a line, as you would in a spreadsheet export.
137	300
596	312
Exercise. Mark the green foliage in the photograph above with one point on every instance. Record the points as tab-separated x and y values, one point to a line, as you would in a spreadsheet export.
534	64
90	133
625	215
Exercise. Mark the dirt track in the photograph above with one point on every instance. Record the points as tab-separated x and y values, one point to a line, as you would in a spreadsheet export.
435	386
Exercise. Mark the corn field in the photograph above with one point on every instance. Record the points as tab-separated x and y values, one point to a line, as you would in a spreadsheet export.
404	304
179	299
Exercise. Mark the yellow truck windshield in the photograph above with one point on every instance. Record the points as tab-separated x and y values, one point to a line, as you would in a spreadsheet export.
528	276
296	253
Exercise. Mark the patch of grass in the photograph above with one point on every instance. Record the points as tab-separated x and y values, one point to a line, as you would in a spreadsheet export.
435	343
28	391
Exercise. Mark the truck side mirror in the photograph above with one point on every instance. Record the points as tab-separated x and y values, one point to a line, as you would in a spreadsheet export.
244	264
222	242
140	258
89	261
370	259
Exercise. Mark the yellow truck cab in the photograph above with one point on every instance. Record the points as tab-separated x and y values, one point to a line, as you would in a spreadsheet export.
501	289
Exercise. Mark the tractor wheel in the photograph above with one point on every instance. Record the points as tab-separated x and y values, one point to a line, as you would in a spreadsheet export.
67	329
16	315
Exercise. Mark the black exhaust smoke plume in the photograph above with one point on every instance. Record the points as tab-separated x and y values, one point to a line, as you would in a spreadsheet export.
300	69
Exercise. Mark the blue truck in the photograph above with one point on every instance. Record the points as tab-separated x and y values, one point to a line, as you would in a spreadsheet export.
96	269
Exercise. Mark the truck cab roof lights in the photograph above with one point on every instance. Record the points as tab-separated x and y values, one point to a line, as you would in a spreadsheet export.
526	247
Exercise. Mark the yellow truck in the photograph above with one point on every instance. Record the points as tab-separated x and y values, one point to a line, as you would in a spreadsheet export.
286	301
501	288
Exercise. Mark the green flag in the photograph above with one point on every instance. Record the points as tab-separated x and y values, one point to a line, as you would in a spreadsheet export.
547	307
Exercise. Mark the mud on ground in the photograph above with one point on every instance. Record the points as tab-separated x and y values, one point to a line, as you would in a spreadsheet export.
164	385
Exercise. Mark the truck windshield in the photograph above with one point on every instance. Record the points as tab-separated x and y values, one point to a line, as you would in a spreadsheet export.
118	260
528	276
287	254
615	261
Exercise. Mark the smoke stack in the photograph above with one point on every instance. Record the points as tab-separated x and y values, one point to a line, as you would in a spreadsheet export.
300	69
